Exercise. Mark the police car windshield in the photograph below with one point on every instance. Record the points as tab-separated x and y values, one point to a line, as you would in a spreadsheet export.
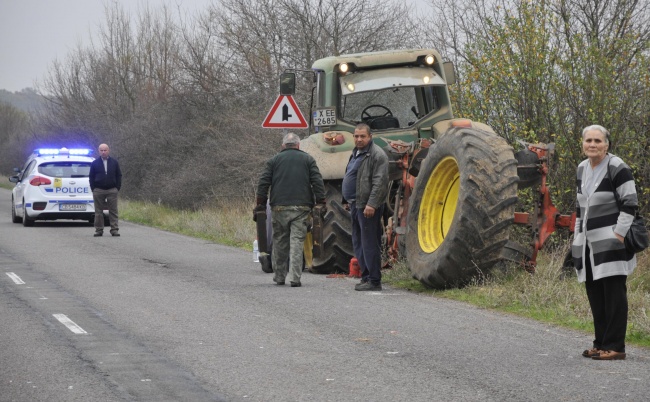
65	169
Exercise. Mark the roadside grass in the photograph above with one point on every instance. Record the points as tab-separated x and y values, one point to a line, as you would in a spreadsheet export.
5	183
550	295
230	224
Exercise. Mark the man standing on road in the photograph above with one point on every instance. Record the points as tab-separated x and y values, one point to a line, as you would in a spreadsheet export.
105	181
364	188
295	181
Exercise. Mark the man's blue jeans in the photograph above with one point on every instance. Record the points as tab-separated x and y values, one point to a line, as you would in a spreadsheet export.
366	241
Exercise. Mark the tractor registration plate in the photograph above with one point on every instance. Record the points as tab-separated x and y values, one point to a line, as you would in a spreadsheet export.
72	207
325	117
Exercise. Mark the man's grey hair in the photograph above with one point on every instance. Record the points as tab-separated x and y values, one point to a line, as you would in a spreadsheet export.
291	139
597	128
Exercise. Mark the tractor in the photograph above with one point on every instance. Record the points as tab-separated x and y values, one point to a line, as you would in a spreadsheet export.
453	182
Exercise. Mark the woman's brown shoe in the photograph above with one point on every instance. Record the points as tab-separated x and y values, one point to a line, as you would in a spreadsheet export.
591	352
609	355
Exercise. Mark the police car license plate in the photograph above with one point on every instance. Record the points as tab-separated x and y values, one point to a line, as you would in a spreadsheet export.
72	207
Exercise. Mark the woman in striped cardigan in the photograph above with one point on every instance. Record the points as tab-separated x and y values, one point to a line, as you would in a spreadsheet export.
598	249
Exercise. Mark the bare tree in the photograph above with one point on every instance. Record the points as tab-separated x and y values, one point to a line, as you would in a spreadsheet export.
181	100
13	126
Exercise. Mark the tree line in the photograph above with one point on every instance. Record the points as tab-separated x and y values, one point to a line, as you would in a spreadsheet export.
541	71
180	98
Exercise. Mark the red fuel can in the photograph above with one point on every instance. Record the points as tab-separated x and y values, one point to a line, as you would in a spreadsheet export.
355	270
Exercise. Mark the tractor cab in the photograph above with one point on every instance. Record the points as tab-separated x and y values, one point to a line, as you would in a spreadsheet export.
399	93
390	98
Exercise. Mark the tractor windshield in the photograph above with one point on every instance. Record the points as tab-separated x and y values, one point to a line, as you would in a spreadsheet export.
389	98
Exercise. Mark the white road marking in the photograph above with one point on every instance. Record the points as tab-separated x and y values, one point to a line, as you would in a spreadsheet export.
38	293
15	278
63	319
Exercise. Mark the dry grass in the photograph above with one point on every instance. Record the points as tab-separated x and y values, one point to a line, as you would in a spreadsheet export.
5	183
229	224
550	295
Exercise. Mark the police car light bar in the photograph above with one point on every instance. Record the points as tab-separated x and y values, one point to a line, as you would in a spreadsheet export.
46	151
62	151
80	151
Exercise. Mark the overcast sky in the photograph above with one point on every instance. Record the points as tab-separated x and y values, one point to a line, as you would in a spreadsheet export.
33	33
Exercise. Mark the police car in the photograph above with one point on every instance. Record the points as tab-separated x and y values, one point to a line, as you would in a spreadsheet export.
53	184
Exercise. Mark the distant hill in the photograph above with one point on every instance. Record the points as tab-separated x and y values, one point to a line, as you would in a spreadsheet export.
26	100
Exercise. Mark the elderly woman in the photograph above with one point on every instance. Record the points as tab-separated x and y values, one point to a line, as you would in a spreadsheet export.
599	253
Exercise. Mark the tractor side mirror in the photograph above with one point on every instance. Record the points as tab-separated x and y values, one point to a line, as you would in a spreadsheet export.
450	74
287	84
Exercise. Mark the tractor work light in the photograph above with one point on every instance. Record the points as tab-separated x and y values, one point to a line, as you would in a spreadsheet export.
345	68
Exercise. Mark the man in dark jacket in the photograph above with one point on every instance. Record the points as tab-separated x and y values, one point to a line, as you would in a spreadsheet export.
105	181
294	181
364	188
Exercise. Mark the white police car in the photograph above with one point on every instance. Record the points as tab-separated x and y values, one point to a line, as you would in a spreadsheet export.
53	184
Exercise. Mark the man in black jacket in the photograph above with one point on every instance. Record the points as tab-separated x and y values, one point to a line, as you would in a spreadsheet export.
105	181
294	181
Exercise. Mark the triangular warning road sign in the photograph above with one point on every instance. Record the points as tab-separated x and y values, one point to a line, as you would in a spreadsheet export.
284	114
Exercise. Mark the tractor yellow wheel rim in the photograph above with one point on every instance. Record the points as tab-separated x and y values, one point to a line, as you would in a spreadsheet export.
438	204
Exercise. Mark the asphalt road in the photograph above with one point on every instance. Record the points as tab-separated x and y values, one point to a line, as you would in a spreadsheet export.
155	316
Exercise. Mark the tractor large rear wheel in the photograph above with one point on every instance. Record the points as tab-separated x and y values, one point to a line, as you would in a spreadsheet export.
337	234
462	207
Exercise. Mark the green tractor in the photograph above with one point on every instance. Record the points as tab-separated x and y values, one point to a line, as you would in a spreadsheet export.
453	182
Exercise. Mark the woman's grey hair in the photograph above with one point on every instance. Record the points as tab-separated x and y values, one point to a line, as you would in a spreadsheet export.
598	128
